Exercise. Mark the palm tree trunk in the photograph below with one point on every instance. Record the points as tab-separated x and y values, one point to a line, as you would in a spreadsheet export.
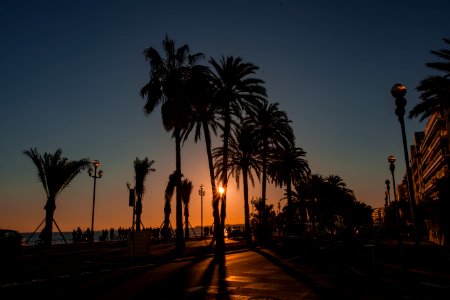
179	245
264	179
167	211
248	233
289	200
186	221
46	234
215	198
223	208
138	212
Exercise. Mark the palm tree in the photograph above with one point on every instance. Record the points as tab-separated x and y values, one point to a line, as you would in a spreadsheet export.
338	199
55	172
435	99
243	157
315	192
204	116
235	90
141	169
272	129
168	86
288	166
186	191
435	90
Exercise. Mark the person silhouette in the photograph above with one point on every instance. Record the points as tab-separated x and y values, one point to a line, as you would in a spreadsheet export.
87	235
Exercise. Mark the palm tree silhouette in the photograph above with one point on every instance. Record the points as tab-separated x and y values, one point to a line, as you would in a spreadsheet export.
204	116
435	99
141	169
334	202
235	90
55	172
243	157
186	191
288	166
434	89
168	86
312	191
272	130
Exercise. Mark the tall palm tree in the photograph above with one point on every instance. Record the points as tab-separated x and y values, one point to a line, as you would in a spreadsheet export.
168	86
55	172
204	116
243	157
186	191
272	129
235	89
288	166
141	169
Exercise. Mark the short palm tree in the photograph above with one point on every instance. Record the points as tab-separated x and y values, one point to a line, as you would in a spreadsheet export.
315	186
272	130
168	86
141	169
55	172
287	166
235	89
186	191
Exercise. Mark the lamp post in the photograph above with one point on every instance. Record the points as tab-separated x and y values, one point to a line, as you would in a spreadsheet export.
398	91
391	160
201	192
388	197
96	175
388	193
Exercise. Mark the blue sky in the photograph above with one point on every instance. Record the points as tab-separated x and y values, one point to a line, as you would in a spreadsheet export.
71	72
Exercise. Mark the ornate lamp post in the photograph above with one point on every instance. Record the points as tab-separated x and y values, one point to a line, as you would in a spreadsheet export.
96	175
391	160
388	193
201	192
398	91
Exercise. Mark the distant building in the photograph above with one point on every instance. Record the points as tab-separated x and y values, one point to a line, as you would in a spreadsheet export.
378	216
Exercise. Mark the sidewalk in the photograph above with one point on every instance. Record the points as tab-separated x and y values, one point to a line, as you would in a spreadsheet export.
388	261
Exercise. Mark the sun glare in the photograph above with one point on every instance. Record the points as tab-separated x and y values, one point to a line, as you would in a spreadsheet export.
221	190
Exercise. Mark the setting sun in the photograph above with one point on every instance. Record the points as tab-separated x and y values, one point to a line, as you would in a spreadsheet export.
221	190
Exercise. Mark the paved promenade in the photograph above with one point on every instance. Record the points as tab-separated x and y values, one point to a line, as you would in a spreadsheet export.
381	270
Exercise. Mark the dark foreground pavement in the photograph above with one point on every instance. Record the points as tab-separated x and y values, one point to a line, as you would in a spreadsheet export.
381	270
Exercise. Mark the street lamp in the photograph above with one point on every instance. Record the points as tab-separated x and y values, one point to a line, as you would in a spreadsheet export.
398	91
391	160
96	175
201	192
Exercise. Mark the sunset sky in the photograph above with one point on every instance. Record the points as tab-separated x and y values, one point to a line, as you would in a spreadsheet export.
71	72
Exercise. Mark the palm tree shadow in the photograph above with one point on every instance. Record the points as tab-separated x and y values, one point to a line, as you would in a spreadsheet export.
207	279
319	290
